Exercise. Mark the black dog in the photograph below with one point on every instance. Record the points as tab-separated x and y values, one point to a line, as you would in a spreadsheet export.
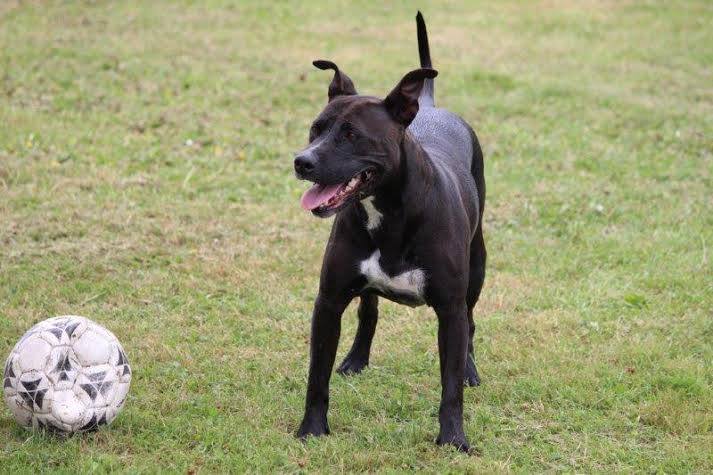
406	183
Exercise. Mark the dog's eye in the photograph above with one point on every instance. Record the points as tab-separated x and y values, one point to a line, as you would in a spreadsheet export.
314	132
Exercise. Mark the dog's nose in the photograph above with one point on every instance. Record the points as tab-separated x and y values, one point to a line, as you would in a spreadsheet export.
304	165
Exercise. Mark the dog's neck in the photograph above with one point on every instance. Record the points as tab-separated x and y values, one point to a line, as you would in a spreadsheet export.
405	193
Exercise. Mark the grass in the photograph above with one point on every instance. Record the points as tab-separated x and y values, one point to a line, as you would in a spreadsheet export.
145	182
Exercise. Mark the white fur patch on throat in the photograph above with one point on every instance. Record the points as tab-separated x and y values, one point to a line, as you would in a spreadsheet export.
410	282
373	215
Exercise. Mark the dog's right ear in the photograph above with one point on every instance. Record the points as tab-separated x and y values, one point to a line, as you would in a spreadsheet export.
402	102
341	84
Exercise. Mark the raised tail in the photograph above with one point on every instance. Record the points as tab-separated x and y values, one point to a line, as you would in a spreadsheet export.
424	54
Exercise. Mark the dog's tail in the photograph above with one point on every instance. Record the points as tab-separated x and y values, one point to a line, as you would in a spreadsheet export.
424	54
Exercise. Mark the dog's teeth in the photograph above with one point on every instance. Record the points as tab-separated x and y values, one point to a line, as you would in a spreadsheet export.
352	183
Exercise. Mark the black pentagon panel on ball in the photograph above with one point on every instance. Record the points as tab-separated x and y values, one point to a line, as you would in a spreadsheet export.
97	385
9	373
31	395
56	332
39	397
69	329
65	326
122	359
27	398
94	377
90	390
31	385
64	364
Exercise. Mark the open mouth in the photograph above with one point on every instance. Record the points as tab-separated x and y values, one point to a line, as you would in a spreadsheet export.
323	200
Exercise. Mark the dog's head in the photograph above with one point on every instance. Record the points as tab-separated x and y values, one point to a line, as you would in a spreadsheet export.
354	144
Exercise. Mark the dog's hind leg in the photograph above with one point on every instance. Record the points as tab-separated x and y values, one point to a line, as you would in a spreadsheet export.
452	345
475	285
358	357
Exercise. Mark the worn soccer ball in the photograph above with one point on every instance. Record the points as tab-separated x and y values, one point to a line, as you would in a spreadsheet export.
66	374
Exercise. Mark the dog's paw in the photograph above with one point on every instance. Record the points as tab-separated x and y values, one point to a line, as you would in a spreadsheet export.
456	440
313	428
352	365
471	373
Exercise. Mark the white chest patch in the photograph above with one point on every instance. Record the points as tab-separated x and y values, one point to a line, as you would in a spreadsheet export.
373	215
410	282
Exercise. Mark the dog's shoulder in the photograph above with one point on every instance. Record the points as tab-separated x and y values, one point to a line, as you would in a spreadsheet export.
443	133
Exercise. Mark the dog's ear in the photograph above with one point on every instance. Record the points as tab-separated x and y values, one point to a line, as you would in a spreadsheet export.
341	84
402	102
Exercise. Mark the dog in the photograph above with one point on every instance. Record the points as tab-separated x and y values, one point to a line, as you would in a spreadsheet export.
405	182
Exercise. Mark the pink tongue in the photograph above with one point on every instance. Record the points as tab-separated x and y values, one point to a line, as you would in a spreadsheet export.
318	195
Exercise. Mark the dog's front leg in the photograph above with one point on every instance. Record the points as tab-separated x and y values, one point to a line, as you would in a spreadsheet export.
452	349
326	325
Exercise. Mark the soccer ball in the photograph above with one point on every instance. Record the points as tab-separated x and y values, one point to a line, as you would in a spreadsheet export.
66	374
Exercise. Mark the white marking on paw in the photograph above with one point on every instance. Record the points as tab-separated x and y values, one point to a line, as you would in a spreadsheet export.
409	282
373	215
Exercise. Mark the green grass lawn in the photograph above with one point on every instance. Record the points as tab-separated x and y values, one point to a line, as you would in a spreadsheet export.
146	182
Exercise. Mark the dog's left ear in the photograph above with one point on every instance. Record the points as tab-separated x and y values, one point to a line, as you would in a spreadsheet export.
402	102
341	84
